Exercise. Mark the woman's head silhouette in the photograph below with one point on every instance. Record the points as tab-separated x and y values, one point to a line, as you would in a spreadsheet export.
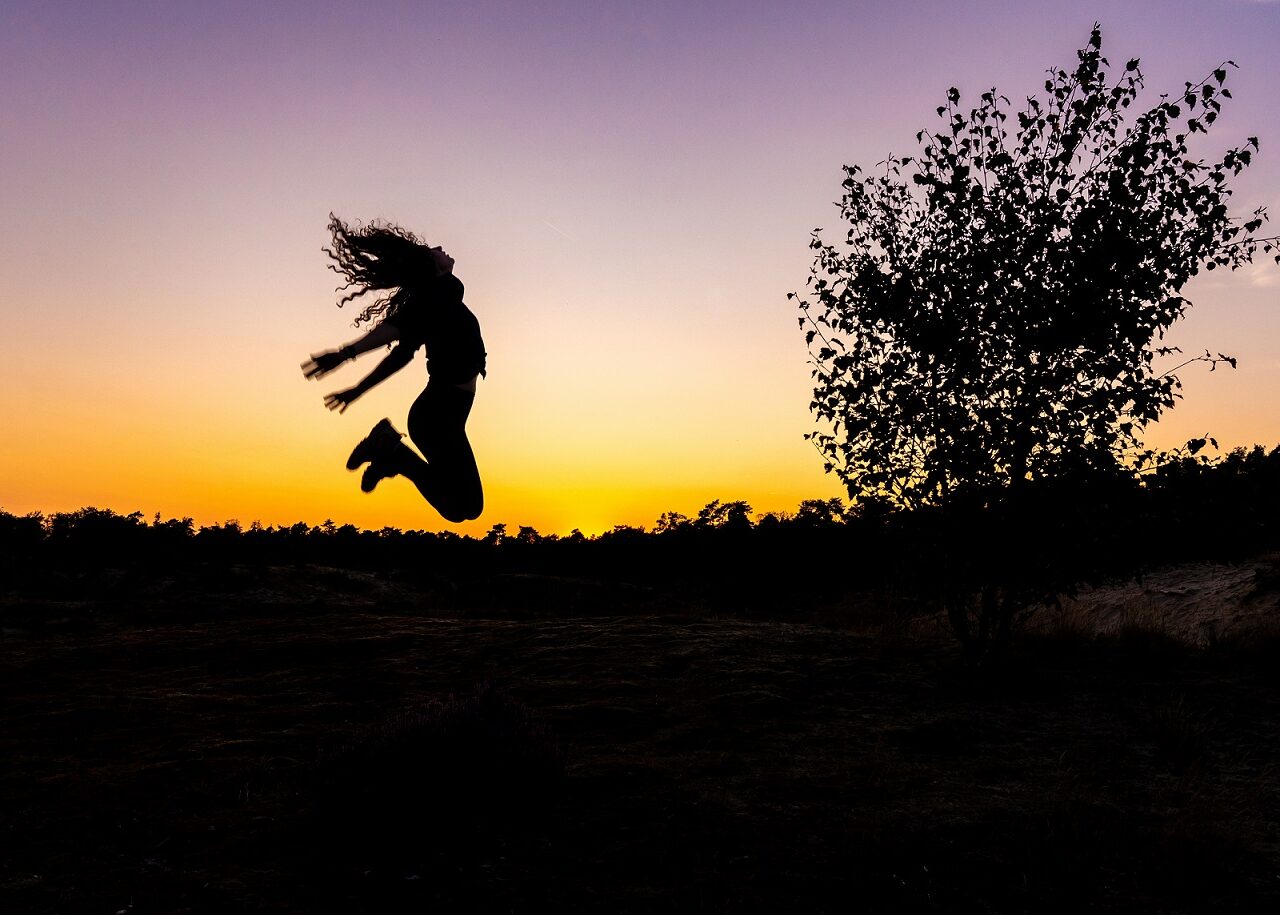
384	258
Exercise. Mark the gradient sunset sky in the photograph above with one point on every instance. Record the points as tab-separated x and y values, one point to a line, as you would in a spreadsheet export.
627	188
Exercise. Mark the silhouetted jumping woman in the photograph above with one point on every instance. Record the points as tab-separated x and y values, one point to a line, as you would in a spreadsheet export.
420	304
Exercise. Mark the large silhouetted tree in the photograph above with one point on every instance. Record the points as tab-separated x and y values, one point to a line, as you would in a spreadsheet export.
995	314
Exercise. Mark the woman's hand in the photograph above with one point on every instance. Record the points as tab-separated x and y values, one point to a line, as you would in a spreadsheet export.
340	400
321	364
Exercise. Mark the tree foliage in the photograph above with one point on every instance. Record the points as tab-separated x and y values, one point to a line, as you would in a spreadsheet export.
722	561
995	314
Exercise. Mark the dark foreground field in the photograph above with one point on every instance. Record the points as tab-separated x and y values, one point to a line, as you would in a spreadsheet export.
314	742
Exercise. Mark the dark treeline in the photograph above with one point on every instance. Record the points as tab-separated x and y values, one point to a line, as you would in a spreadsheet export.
1188	509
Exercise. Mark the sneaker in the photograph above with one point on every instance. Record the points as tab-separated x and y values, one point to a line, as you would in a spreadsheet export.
374	474
378	442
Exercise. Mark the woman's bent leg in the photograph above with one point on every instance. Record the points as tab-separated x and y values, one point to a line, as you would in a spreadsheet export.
448	478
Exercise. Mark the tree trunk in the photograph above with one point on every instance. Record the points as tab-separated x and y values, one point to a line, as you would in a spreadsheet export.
982	621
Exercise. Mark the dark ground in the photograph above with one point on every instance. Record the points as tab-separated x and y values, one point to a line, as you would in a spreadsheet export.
220	752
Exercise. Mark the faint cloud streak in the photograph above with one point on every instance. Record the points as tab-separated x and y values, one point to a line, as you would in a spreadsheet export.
558	231
1264	275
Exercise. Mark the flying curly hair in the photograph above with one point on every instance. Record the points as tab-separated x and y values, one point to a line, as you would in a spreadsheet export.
377	258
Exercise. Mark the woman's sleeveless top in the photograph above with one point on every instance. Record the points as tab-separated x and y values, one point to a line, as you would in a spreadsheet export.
435	317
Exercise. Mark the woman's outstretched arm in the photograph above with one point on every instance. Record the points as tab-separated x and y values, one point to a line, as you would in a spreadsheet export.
321	364
393	362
